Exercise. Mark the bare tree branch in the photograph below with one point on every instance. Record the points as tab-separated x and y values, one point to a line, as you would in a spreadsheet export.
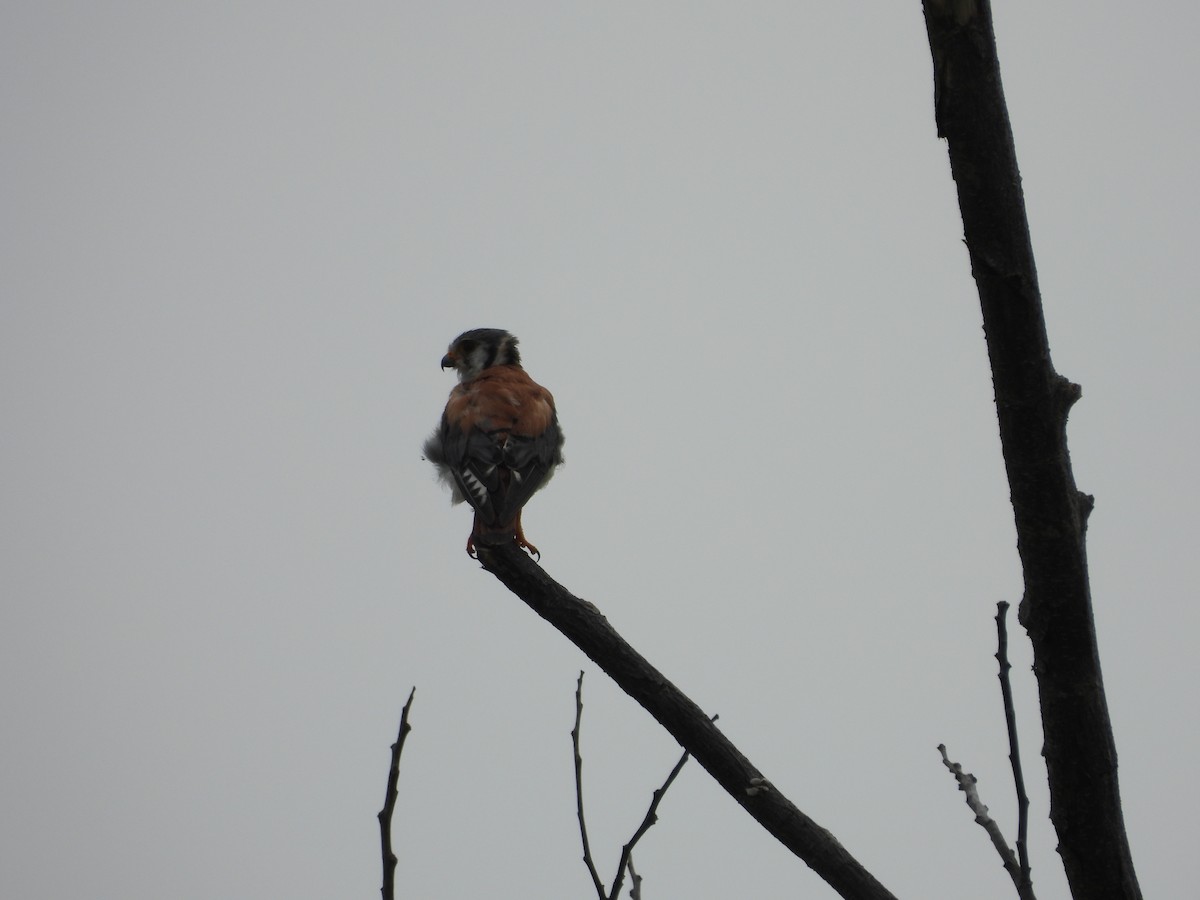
584	626
389	805
966	784
1032	401
1014	751
635	882
649	820
1017	865
583	835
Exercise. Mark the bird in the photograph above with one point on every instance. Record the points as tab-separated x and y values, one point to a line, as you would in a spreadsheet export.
499	440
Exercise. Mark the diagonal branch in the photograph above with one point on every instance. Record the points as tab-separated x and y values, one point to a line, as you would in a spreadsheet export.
1032	401
389	805
584	626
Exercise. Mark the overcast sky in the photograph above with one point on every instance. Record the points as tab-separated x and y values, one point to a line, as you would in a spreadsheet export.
235	239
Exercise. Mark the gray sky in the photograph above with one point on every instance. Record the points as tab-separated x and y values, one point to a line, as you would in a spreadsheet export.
236	239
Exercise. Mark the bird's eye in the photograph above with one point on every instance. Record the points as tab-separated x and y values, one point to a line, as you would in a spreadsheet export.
466	347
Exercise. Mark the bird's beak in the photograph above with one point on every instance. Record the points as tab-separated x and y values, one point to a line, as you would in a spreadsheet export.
448	361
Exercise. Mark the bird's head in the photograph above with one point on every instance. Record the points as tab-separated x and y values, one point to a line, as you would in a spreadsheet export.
481	348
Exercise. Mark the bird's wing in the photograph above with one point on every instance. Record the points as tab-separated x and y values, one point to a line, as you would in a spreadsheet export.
498	443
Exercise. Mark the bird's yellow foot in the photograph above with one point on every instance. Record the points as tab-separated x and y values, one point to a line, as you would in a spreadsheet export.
519	537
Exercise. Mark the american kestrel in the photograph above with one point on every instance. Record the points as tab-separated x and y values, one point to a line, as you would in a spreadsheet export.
499	439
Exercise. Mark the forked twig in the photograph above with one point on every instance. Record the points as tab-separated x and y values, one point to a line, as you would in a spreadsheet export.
1016	864
1014	752
388	891
647	821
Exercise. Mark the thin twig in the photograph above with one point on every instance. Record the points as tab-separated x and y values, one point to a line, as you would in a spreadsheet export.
389	805
635	881
647	821
650	818
966	784
1014	753
583	835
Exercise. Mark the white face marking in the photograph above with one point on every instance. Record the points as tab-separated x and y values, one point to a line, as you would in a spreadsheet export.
478	358
474	362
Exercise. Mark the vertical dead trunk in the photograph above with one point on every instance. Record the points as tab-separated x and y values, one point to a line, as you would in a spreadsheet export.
1032	401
